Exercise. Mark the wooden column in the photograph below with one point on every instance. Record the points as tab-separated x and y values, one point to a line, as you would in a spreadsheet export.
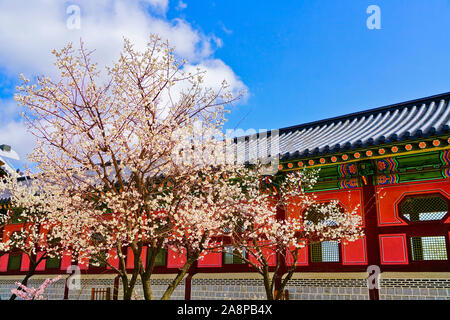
188	281
371	228
116	288
281	215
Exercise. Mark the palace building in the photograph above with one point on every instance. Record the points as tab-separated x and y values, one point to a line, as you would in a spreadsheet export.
391	163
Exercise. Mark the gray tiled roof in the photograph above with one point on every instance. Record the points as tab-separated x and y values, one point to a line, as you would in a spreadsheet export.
403	121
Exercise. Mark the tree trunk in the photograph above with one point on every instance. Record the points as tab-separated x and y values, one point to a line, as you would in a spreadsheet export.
146	274
147	288
128	285
267	286
284	283
183	271
127	291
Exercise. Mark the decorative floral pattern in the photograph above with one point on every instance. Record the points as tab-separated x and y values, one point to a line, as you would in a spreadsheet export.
386	165
349	169
388	179
348	183
445	157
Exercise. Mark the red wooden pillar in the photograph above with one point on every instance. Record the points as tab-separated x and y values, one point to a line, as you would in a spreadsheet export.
371	222
116	288
188	281
66	290
281	215
188	287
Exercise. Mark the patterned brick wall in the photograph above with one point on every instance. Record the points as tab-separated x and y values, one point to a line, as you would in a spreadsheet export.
56	290
414	289
248	287
53	292
328	289
227	289
299	289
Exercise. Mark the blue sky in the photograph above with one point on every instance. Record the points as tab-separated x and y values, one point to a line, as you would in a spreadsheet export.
308	60
299	60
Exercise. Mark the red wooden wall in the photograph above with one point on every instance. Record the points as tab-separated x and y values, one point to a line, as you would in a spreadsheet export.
394	245
392	241
388	198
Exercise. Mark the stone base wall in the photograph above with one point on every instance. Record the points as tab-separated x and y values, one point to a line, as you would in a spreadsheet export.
414	288
227	289
207	289
328	289
55	291
249	286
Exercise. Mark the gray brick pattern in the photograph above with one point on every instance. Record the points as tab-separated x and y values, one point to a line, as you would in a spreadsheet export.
53	292
414	289
299	289
253	289
328	289
227	289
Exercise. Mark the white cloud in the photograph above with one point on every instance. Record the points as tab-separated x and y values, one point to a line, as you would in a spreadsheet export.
216	72
30	30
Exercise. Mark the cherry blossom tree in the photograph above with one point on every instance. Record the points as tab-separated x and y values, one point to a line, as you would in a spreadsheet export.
123	150
270	242
28	209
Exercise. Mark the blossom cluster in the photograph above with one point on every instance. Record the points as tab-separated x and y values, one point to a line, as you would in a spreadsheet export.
30	293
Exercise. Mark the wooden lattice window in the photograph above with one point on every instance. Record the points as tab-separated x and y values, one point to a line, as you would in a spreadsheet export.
424	208
428	248
326	251
425	214
314	214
